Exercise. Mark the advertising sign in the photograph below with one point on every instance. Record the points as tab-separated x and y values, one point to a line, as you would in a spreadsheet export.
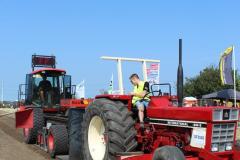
153	73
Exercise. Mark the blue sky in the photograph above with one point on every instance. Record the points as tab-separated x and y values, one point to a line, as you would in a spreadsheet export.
79	32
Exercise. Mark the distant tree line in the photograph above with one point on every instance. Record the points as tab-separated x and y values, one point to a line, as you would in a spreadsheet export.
207	81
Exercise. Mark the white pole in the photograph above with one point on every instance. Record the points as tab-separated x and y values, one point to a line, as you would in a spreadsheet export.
2	93
112	82
130	59
234	78
120	77
144	70
83	89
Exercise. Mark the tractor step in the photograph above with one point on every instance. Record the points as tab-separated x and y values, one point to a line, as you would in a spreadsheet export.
129	153
63	157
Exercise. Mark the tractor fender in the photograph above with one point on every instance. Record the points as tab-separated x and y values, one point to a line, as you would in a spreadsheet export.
24	118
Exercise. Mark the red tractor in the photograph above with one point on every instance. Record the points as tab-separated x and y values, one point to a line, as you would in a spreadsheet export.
108	129
44	103
171	132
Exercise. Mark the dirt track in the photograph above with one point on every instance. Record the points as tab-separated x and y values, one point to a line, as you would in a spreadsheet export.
12	146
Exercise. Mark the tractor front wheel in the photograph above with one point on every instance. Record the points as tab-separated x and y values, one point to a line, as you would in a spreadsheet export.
108	129
57	140
168	153
30	134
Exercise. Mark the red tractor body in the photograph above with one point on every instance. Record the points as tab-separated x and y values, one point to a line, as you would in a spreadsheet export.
195	130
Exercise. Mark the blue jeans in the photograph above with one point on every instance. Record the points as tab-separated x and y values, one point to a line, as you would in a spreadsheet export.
141	103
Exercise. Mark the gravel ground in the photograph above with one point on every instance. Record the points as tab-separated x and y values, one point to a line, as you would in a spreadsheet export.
12	146
7	112
11	149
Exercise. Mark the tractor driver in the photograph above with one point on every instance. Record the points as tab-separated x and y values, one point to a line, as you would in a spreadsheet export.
140	100
44	87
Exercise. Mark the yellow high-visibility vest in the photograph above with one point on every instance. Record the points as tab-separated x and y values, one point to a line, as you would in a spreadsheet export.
138	89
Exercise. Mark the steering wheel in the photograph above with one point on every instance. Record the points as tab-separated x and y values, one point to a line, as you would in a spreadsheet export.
159	91
152	92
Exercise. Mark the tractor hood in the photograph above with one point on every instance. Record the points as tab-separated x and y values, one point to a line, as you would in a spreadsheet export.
204	114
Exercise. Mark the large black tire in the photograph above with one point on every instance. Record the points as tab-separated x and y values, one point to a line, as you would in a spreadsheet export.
58	137
168	153
75	119
38	123
120	134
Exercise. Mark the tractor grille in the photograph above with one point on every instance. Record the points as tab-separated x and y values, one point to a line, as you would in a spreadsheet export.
223	134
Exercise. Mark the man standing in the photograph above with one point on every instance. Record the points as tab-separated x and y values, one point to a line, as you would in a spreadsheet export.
140	98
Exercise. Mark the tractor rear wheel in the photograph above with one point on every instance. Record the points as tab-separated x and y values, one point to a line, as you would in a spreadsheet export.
30	134
107	129
57	140
168	153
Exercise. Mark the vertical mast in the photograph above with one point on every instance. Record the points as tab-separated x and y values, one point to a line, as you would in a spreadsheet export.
180	77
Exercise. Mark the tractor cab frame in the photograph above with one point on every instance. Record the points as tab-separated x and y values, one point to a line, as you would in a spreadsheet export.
61	85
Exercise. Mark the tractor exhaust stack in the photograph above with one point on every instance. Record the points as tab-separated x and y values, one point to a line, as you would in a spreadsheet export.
180	77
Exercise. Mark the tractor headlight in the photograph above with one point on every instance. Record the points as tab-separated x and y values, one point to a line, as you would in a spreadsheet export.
214	147
228	147
225	114
234	114
217	114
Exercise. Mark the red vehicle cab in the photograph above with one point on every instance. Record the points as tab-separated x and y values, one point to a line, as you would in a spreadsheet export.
44	103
